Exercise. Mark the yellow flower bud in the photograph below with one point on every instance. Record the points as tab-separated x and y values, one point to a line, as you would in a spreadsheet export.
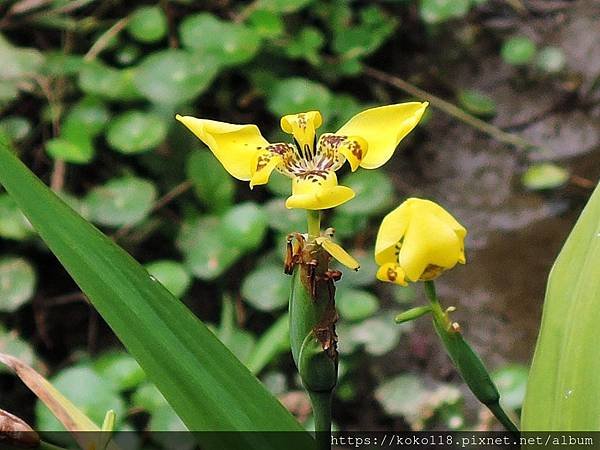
417	242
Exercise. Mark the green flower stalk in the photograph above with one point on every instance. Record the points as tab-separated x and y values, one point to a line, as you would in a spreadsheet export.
468	364
313	316
418	241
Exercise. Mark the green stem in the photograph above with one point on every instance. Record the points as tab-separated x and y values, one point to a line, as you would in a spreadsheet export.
502	417
314	223
467	362
321	404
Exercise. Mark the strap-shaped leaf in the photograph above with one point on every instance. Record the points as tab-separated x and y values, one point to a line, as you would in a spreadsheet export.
205	384
563	390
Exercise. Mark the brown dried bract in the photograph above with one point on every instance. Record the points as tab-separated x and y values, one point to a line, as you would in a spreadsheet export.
16	432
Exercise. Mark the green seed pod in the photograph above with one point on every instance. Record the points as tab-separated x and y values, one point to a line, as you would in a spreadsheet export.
469	365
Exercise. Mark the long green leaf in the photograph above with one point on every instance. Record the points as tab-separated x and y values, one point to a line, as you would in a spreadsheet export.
563	390
205	384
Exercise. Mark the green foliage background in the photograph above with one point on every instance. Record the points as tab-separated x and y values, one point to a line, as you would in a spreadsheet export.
88	94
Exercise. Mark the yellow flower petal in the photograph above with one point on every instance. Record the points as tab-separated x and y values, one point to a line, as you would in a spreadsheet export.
235	146
391	231
391	273
428	241
337	252
353	148
264	163
315	192
303	127
383	128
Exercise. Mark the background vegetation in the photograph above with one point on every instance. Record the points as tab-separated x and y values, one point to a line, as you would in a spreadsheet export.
88	93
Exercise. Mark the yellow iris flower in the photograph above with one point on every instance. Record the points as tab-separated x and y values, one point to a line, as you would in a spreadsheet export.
418	241
367	140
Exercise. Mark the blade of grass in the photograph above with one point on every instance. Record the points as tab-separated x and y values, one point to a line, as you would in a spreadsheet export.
563	389
202	380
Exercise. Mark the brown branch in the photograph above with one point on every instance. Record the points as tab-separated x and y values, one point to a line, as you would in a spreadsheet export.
104	40
178	190
455	111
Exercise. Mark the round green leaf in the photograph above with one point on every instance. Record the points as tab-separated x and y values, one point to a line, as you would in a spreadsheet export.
17	283
148	24
59	63
127	54
229	43
136	132
374	193
206	251
212	183
239	342
401	395
477	103
172	275
363	277
96	78
12	344
511	381
121	201
437	11
165	419
79	151
545	176
354	304
306	44
266	288
295	95
88	391
266	23
283	219
347	225
551	59
275	382
518	50
148	397
91	114
280	184
283	6
16	128
244	226
13	223
120	370
378	335
174	76
407	395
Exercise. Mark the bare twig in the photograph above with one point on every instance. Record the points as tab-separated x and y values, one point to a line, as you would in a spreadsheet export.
104	40
65	9
455	111
246	12
582	182
25	6
73	297
181	188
